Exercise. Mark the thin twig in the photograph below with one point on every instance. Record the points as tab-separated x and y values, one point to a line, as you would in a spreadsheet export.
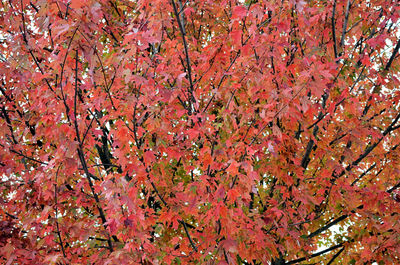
27	157
188	236
56	217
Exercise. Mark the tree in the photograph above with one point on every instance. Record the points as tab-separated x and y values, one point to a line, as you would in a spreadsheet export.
204	132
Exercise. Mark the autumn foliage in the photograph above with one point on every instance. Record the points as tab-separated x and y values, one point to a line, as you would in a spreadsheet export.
199	132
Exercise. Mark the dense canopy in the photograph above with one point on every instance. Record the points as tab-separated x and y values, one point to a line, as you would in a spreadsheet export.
199	132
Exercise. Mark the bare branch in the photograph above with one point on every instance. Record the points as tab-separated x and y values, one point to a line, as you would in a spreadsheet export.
315	254
56	217
84	165
335	256
188	64
334	29
393	56
188	236
327	226
346	19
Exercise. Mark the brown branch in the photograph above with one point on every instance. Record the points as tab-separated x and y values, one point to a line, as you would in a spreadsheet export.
188	236
315	254
180	221
9	125
345	216
369	149
107	86
335	256
188	64
27	157
393	56
363	174
152	183
327	226
96	197
75	97
334	29
366	152
56	217
157	192
62	74
31	128
84	165
346	19
25	37
387	67
87	129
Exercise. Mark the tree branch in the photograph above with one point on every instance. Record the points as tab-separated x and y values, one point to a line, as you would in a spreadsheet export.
393	56
56	217
188	64
188	236
84	165
346	19
315	254
335	256
327	226
369	149
334	29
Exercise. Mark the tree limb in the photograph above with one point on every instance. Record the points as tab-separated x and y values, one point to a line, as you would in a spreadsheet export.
315	254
